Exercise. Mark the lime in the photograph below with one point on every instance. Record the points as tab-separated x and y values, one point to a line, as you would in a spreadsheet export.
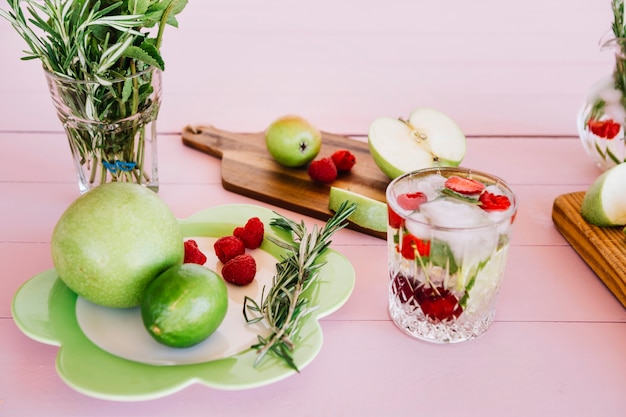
184	305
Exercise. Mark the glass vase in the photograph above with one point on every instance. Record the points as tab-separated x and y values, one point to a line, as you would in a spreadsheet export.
602	117
111	126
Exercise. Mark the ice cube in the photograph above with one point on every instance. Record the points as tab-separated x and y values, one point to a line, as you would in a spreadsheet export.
449	212
430	185
465	227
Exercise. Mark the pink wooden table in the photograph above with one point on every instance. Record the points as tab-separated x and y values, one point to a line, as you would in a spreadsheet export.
556	348
512	75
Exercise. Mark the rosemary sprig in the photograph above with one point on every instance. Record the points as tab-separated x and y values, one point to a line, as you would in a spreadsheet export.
285	305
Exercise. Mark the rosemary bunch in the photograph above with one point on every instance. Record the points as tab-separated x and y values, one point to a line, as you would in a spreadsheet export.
285	305
100	57
93	40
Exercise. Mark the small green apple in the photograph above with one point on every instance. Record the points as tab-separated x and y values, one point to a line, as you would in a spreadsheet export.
428	138
113	240
293	141
604	203
370	214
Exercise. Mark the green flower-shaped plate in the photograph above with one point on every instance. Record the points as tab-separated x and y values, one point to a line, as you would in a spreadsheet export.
106	353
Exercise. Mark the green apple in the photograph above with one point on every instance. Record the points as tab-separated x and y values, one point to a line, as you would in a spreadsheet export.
113	240
370	214
184	305
293	141
604	203
428	138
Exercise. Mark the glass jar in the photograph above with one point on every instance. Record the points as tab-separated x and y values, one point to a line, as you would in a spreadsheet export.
601	118
111	126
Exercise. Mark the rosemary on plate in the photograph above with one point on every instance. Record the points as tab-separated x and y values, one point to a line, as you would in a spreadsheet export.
285	305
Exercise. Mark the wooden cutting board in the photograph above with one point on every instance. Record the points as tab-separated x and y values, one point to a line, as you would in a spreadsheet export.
248	169
602	248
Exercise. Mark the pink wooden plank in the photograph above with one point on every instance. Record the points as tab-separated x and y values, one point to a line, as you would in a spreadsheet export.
369	368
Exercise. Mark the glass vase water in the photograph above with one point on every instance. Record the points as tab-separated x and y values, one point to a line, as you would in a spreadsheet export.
111	126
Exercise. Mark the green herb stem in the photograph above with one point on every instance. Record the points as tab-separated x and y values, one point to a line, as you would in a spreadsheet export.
284	307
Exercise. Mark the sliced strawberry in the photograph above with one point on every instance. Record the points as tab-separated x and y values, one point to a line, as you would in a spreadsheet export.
465	186
411	201
492	202
438	304
413	246
607	129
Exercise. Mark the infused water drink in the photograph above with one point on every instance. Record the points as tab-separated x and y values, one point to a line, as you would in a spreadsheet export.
448	235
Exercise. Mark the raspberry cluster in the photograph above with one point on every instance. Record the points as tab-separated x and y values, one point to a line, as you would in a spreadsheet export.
326	170
239	267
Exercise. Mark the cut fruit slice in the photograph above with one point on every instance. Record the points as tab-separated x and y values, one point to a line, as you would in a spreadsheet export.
465	186
604	203
428	138
370	214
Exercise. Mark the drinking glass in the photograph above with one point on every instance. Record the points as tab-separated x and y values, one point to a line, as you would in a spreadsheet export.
449	230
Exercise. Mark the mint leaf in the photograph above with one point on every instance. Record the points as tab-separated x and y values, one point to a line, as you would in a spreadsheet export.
458	196
441	255
138	6
147	53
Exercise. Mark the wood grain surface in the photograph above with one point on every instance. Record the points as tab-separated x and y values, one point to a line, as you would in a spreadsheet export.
602	248
248	169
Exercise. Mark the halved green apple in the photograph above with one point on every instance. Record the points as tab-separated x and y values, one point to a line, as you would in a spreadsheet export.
604	203
428	138
370	214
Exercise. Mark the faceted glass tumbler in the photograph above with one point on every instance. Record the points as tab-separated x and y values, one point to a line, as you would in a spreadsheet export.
446	254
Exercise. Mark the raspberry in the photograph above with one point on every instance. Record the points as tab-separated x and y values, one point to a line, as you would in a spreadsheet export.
411	201
493	202
240	270
251	234
465	186
323	170
193	255
227	247
344	160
